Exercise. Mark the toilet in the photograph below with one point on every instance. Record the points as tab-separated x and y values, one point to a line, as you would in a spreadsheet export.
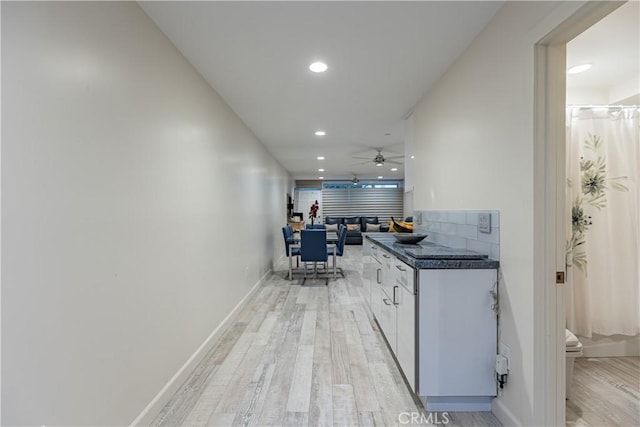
573	349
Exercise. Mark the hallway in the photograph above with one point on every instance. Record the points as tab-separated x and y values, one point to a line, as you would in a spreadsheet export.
300	356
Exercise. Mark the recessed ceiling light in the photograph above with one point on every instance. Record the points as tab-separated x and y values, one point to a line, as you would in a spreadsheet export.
320	158
394	169
320	133
320	170
321	177
413	157
318	67
380	177
578	68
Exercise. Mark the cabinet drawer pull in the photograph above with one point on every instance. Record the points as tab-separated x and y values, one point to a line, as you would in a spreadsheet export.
395	301
378	271
386	256
386	301
400	268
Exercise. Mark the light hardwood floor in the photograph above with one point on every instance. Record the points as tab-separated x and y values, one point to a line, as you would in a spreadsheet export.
303	356
605	392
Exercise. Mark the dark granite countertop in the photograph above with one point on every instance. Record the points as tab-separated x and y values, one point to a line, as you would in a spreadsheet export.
427	255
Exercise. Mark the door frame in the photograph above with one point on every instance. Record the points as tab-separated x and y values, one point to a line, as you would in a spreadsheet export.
550	209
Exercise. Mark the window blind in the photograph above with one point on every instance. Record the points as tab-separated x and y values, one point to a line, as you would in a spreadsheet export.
381	202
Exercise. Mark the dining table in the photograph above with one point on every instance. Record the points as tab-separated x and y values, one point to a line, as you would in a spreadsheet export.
332	242
332	237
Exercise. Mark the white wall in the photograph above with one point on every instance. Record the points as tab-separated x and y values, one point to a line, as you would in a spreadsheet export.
409	164
587	97
624	92
474	150
137	211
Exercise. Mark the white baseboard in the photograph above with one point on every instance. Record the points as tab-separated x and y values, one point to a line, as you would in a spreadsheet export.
151	411
459	407
457	403
611	346
503	414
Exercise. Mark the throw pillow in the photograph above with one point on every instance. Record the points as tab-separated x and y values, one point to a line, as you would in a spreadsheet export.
353	227
332	227
373	227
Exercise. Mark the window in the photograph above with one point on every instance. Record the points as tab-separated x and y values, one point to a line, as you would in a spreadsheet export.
384	200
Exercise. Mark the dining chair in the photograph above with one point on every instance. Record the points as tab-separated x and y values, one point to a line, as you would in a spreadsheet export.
313	248
339	247
287	233
315	227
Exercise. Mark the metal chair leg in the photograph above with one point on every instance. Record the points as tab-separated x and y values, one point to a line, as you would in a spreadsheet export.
334	265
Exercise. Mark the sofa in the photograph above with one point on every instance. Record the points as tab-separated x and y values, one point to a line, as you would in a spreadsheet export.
356	225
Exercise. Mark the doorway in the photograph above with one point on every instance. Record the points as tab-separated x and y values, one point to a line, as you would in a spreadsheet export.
550	179
602	289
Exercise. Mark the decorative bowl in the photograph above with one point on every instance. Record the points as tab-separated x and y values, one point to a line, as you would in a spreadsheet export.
409	239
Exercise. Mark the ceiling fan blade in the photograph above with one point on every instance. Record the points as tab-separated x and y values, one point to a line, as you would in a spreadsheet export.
363	158
393	162
365	146
393	157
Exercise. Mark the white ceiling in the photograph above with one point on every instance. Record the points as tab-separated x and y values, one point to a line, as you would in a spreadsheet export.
382	57
612	46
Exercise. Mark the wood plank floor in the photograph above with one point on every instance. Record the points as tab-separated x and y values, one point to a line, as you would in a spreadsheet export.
605	392
303	356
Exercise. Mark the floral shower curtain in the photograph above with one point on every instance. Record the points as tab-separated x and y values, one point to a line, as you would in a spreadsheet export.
603	257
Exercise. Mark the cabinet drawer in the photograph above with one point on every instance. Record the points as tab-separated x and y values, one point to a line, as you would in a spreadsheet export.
405	275
387	258
374	252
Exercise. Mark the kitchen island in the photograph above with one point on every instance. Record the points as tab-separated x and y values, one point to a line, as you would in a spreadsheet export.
436	307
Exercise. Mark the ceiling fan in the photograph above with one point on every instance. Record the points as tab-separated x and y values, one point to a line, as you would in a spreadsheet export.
379	159
355	179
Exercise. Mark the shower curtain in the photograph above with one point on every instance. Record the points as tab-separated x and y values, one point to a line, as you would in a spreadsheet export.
603	257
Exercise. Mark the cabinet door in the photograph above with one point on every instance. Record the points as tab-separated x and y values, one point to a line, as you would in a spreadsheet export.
457	338
388	321
376	290
389	274
406	337
368	275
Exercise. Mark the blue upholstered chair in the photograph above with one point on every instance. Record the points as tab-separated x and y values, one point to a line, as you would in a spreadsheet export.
313	248
287	233
314	227
339	247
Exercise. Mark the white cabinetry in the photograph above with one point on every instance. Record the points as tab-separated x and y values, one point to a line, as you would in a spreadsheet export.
406	328
457	339
441	329
368	271
393	304
375	283
387	320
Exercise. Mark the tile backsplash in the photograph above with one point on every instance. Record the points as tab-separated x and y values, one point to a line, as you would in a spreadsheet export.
461	229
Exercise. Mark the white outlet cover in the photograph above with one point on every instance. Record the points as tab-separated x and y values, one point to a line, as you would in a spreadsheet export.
484	222
504	350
